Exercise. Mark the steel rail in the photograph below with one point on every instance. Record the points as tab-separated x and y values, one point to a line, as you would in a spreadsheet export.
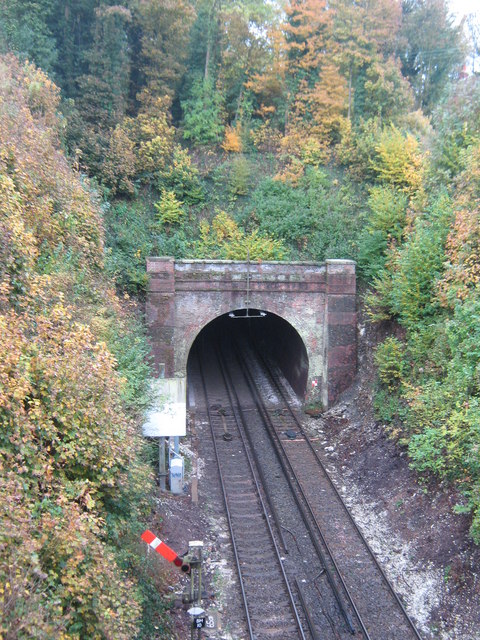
283	394
227	509
311	625
225	501
298	489
232	391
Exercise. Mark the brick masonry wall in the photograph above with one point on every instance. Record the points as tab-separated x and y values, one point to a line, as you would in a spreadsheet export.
341	347
318	300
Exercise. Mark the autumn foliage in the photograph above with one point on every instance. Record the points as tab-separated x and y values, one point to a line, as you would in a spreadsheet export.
303	130
68	449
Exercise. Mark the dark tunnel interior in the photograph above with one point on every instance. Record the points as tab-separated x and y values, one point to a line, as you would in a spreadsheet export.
271	334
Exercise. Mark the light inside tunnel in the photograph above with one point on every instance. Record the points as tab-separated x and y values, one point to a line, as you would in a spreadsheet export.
243	316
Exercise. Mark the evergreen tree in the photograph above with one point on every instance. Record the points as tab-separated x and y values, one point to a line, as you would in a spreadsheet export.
203	113
71	23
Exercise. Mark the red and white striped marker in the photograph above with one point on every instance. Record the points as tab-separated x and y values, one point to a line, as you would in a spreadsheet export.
164	550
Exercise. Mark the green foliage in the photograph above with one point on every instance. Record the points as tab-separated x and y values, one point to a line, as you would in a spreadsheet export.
432	49
442	420
387	405
372	252
319	219
388	208
387	93
457	123
357	148
223	239
169	209
239	179
203	113
384	228
389	358
182	177
419	263
129	242
178	242
125	336
312	85
25	30
463	335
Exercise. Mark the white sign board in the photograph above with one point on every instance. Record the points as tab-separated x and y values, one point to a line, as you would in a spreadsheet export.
168	415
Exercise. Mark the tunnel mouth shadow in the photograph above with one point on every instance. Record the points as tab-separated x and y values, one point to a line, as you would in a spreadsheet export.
274	337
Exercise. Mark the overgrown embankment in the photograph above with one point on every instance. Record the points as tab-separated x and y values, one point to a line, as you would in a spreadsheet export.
73	471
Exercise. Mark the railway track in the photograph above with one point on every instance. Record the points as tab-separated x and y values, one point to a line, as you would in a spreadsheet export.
270	608
294	540
361	574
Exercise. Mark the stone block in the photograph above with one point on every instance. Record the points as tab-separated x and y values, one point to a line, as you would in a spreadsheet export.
342	356
343	318
342	304
341	335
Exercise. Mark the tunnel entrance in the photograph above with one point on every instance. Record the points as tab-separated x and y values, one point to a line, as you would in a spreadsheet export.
309	326
273	336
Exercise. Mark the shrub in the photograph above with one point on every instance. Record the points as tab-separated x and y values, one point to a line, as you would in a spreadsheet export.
398	161
118	170
389	358
181	177
233	140
419	263
357	148
70	454
129	240
385	225
223	239
318	219
239	179
169	209
388	208
203	113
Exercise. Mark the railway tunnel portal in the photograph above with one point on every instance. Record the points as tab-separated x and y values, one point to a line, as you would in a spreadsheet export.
304	312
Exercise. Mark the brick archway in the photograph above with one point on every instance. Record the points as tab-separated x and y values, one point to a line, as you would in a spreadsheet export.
317	299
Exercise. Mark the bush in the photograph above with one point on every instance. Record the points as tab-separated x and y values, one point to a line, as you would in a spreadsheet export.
203	113
233	140
318	219
181	177
384	228
387	405
357	148
419	263
239	179
389	358
457	121
463	335
398	161
223	239
129	242
169	209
